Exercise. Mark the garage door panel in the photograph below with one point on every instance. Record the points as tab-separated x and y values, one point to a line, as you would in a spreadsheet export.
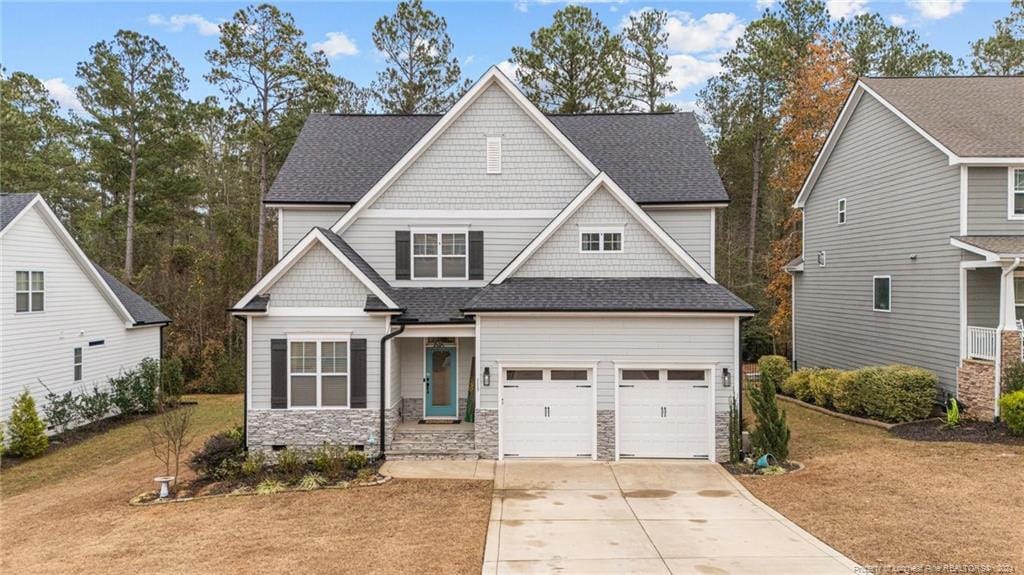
548	418
664	418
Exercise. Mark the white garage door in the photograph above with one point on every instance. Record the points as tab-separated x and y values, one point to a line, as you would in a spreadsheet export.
664	413
547	413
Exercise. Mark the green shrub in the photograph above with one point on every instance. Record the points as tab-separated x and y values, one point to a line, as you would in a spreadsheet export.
1011	408
269	486
772	433
355	460
774	368
220	457
93	406
329	460
798	384
365	475
27	431
172	381
60	410
311	481
146	385
121	395
253	464
289	462
3	444
1013	377
892	393
735	434
823	386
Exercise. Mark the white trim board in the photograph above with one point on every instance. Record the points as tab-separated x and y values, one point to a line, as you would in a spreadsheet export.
493	76
295	254
604	182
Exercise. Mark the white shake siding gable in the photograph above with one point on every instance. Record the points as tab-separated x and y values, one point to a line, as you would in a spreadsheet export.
318	279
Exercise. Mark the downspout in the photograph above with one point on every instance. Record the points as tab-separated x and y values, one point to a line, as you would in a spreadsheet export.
245	385
383	380
999	340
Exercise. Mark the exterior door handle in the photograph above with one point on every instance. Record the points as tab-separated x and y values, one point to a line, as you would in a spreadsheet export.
426	380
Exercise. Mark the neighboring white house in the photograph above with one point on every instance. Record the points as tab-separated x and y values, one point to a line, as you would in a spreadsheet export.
552	275
64	322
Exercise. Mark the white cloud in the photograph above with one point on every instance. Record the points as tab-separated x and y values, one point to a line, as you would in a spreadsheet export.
846	8
898	20
336	44
688	70
508	68
64	94
178	22
522	6
714	31
762	4
937	9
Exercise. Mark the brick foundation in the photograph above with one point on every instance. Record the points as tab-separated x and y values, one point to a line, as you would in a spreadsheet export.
606	434
976	387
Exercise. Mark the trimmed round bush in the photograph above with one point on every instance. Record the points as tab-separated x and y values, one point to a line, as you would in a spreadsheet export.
823	385
909	392
798	385
1011	407
774	369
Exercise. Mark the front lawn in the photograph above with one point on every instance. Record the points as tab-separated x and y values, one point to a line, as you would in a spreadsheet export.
885	501
68	512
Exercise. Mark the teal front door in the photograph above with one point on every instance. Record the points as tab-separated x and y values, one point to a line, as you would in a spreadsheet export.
441	393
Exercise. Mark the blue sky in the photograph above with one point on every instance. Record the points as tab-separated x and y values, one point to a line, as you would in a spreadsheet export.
49	39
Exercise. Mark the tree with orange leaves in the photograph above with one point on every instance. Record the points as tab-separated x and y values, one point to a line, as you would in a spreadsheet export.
813	100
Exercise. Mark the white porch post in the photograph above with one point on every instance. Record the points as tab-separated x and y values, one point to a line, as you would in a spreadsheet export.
1007	321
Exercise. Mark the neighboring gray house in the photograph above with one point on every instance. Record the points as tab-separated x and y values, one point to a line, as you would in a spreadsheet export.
555	273
65	323
914	234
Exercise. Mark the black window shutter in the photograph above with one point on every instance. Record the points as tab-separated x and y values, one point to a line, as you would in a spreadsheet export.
278	373
402	255
357	374
476	255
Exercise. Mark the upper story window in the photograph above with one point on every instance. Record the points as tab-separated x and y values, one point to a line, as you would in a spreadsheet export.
439	254
882	293
28	290
494	155
1016	209
842	211
318	373
600	240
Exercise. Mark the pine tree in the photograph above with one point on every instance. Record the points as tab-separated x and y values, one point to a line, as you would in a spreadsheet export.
27	431
772	432
645	41
1003	52
421	75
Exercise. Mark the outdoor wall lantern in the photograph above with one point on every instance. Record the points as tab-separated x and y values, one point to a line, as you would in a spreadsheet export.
487	377
726	377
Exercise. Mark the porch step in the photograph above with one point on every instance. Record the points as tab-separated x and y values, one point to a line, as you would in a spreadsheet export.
430	454
413	441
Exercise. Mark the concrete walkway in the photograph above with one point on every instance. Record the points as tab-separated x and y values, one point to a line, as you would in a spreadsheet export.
666	517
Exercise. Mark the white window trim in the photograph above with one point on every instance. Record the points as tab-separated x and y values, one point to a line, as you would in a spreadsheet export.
841	211
1018	275
319	339
29	291
1012	193
602	230
823	260
873	278
78	364
437	232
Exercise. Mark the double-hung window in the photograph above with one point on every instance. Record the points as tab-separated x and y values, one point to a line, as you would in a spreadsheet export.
28	291
882	293
440	254
600	240
78	364
318	371
1016	209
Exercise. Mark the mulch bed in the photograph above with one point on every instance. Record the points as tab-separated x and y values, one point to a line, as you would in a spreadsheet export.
968	431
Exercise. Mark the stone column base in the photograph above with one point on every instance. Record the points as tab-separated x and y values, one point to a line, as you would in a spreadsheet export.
485	431
976	387
606	434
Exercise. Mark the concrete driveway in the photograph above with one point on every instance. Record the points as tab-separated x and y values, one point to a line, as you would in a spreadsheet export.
641	517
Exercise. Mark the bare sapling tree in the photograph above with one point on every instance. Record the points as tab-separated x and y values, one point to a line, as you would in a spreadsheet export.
170	434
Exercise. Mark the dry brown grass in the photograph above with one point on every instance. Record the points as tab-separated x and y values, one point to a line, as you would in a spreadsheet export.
82	524
887	501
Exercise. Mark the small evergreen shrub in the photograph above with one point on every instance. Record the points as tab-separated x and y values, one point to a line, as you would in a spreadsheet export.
775	369
355	460
27	432
220	457
61	410
93	406
823	386
798	385
121	394
146	385
172	380
772	432
1011	408
329	460
1013	377
289	462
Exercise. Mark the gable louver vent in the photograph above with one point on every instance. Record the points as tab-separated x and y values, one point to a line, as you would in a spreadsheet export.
493	155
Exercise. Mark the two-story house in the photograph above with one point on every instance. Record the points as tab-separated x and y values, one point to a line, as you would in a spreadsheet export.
913	236
551	274
65	323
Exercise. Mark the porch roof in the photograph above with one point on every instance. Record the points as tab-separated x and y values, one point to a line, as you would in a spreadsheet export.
992	247
427	305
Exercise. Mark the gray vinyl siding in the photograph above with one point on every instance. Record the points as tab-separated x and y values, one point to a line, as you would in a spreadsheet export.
691	228
318	279
274	327
983	297
504	238
652	341
451	174
295	223
641	256
395	371
902	201
988	197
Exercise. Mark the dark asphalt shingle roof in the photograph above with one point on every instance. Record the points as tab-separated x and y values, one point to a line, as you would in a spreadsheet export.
973	116
1003	245
11	205
356	259
141	310
655	158
428	305
606	294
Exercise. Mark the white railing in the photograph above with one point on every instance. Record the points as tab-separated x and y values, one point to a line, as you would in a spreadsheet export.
981	342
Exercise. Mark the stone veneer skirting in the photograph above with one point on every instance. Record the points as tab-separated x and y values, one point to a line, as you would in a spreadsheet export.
310	428
976	386
721	436
1011	348
412	408
485	429
606	434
